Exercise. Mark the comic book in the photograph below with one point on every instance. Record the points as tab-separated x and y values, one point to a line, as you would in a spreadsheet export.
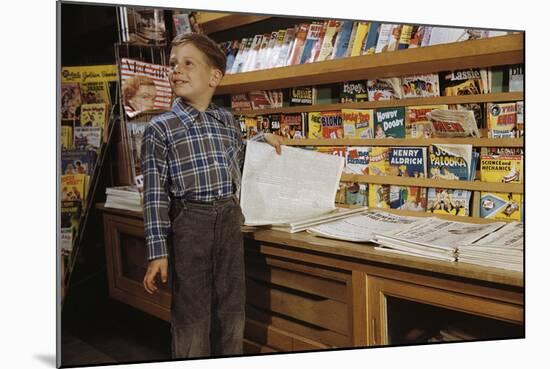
357	160
389	122
95	92
70	101
240	102
332	150
410	198
358	123
417	124
408	162
501	120
450	161
260	99
71	211
275	123
355	91
502	168
330	124
420	85
94	115
251	125
73	187
78	162
448	201
66	137
303	96
145	87
501	206
464	82
356	194
87	138
384	89
453	123
292	126
314	125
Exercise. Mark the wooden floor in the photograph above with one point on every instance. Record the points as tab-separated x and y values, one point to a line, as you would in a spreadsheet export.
99	330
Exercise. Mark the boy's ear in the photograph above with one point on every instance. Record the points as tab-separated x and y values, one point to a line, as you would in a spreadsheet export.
216	76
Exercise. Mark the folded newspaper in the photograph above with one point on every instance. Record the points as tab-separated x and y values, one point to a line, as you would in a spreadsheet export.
292	187
453	123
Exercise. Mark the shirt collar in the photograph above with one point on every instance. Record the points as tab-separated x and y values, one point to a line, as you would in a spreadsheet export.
182	110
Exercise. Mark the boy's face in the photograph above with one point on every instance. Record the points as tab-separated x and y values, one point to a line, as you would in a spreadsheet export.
191	77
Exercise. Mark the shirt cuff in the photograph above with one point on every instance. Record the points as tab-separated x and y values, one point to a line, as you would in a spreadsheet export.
260	137
157	248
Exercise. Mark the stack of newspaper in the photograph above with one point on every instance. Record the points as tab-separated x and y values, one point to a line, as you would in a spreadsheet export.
434	238
362	227
124	197
501	249
303	224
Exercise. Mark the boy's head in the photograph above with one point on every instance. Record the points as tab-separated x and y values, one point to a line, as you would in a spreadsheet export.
196	66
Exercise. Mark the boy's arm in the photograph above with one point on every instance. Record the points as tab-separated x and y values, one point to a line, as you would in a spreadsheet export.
155	198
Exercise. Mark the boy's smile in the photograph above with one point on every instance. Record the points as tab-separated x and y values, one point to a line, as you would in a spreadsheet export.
191	76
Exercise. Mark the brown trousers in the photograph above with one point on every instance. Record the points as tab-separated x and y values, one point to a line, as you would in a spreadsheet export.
208	285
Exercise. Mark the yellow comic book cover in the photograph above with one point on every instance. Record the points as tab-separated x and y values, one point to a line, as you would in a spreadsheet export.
502	168
66	137
358	123
93	115
417	124
251	125
95	92
501	206
332	150
73	187
448	201
501	120
340	197
314	125
379	164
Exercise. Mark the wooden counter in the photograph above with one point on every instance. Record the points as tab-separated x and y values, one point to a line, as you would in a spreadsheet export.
305	292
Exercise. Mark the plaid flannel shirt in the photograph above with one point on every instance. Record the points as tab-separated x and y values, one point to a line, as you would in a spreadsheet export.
191	155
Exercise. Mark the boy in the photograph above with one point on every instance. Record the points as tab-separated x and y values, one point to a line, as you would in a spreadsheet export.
191	167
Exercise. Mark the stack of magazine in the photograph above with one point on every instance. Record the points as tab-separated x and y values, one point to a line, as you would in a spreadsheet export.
124	197
501	249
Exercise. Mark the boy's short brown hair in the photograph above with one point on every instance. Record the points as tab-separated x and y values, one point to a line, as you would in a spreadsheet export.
215	56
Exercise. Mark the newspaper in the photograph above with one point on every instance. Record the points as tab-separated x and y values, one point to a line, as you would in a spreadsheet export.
453	123
361	228
442	234
510	236
296	185
338	213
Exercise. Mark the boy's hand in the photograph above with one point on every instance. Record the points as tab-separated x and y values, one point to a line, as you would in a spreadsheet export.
275	141
155	266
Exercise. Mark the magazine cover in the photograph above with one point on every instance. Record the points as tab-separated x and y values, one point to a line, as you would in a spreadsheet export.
292	126
420	85
501	120
73	187
303	96
358	123
78	162
94	115
501	206
463	82
389	123
95	92
145	87
70	101
448	201
411	198
384	89
353	92
328	122
408	161
417	124
502	168
240	102
357	160
357	194
450	161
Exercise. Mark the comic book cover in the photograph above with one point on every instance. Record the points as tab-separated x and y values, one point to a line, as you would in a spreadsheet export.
94	115
355	91
408	161
357	194
379	196
95	92
251	124
78	162
240	102
357	160
453	123
417	124
330	124
314	125
450	161
145	87
332	150
275	123
502	168
384	89
73	187
420	85
360	37
389	122
87	138
448	201
66	137
501	120
70	101
463	82
410	198
292	126
70	214
340	197
358	123
501	206
303	96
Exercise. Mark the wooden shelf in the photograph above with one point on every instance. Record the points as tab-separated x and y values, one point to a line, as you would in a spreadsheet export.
465	99
437	183
215	22
406	142
494	51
